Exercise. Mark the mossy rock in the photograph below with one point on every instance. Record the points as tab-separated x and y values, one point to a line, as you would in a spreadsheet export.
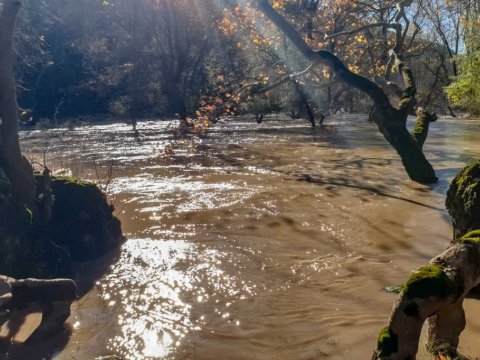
429	281
82	219
387	343
463	200
82	227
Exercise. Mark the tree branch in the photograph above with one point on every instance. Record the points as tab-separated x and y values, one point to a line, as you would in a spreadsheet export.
15	165
284	80
390	120
395	26
326	57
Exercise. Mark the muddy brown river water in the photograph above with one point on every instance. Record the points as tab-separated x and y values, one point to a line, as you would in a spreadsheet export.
270	241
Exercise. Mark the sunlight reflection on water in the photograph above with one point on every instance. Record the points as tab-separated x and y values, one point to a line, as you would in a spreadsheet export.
197	193
151	289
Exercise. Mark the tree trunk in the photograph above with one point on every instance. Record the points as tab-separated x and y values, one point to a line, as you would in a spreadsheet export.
436	292
15	165
304	99
175	98
391	121
433	293
392	124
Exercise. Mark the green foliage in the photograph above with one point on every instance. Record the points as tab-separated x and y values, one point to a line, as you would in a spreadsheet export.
464	91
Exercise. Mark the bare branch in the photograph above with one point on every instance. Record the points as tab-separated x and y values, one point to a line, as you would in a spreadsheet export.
396	27
326	57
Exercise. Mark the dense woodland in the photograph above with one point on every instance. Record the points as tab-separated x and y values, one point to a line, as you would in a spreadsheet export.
205	61
121	59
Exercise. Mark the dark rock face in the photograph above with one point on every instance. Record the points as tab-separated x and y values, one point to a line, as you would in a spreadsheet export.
82	220
15	224
82	227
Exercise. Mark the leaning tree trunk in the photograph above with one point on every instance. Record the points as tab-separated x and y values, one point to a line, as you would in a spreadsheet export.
391	120
15	165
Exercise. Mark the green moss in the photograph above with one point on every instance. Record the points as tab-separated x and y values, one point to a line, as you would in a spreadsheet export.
410	91
463	200
473	237
475	234
82	227
76	195
420	132
429	281
387	342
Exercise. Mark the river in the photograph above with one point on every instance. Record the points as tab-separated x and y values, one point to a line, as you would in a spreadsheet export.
255	241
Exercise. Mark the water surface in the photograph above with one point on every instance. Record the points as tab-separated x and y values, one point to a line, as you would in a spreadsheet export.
270	241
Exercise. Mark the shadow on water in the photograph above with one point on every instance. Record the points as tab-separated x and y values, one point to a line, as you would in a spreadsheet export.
31	349
348	183
18	337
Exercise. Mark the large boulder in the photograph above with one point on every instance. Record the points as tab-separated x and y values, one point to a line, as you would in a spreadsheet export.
82	219
463	200
81	227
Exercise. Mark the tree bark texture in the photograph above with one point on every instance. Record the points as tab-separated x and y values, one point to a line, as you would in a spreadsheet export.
15	165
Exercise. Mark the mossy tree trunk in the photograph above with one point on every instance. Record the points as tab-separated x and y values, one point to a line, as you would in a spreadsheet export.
391	120
436	292
15	165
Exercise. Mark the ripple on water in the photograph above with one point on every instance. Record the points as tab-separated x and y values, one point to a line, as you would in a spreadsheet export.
192	193
291	232
153	289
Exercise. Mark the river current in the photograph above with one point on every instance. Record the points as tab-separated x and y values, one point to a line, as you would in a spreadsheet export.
254	241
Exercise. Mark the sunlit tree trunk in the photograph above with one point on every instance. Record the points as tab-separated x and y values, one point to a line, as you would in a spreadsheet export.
16	166
391	120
